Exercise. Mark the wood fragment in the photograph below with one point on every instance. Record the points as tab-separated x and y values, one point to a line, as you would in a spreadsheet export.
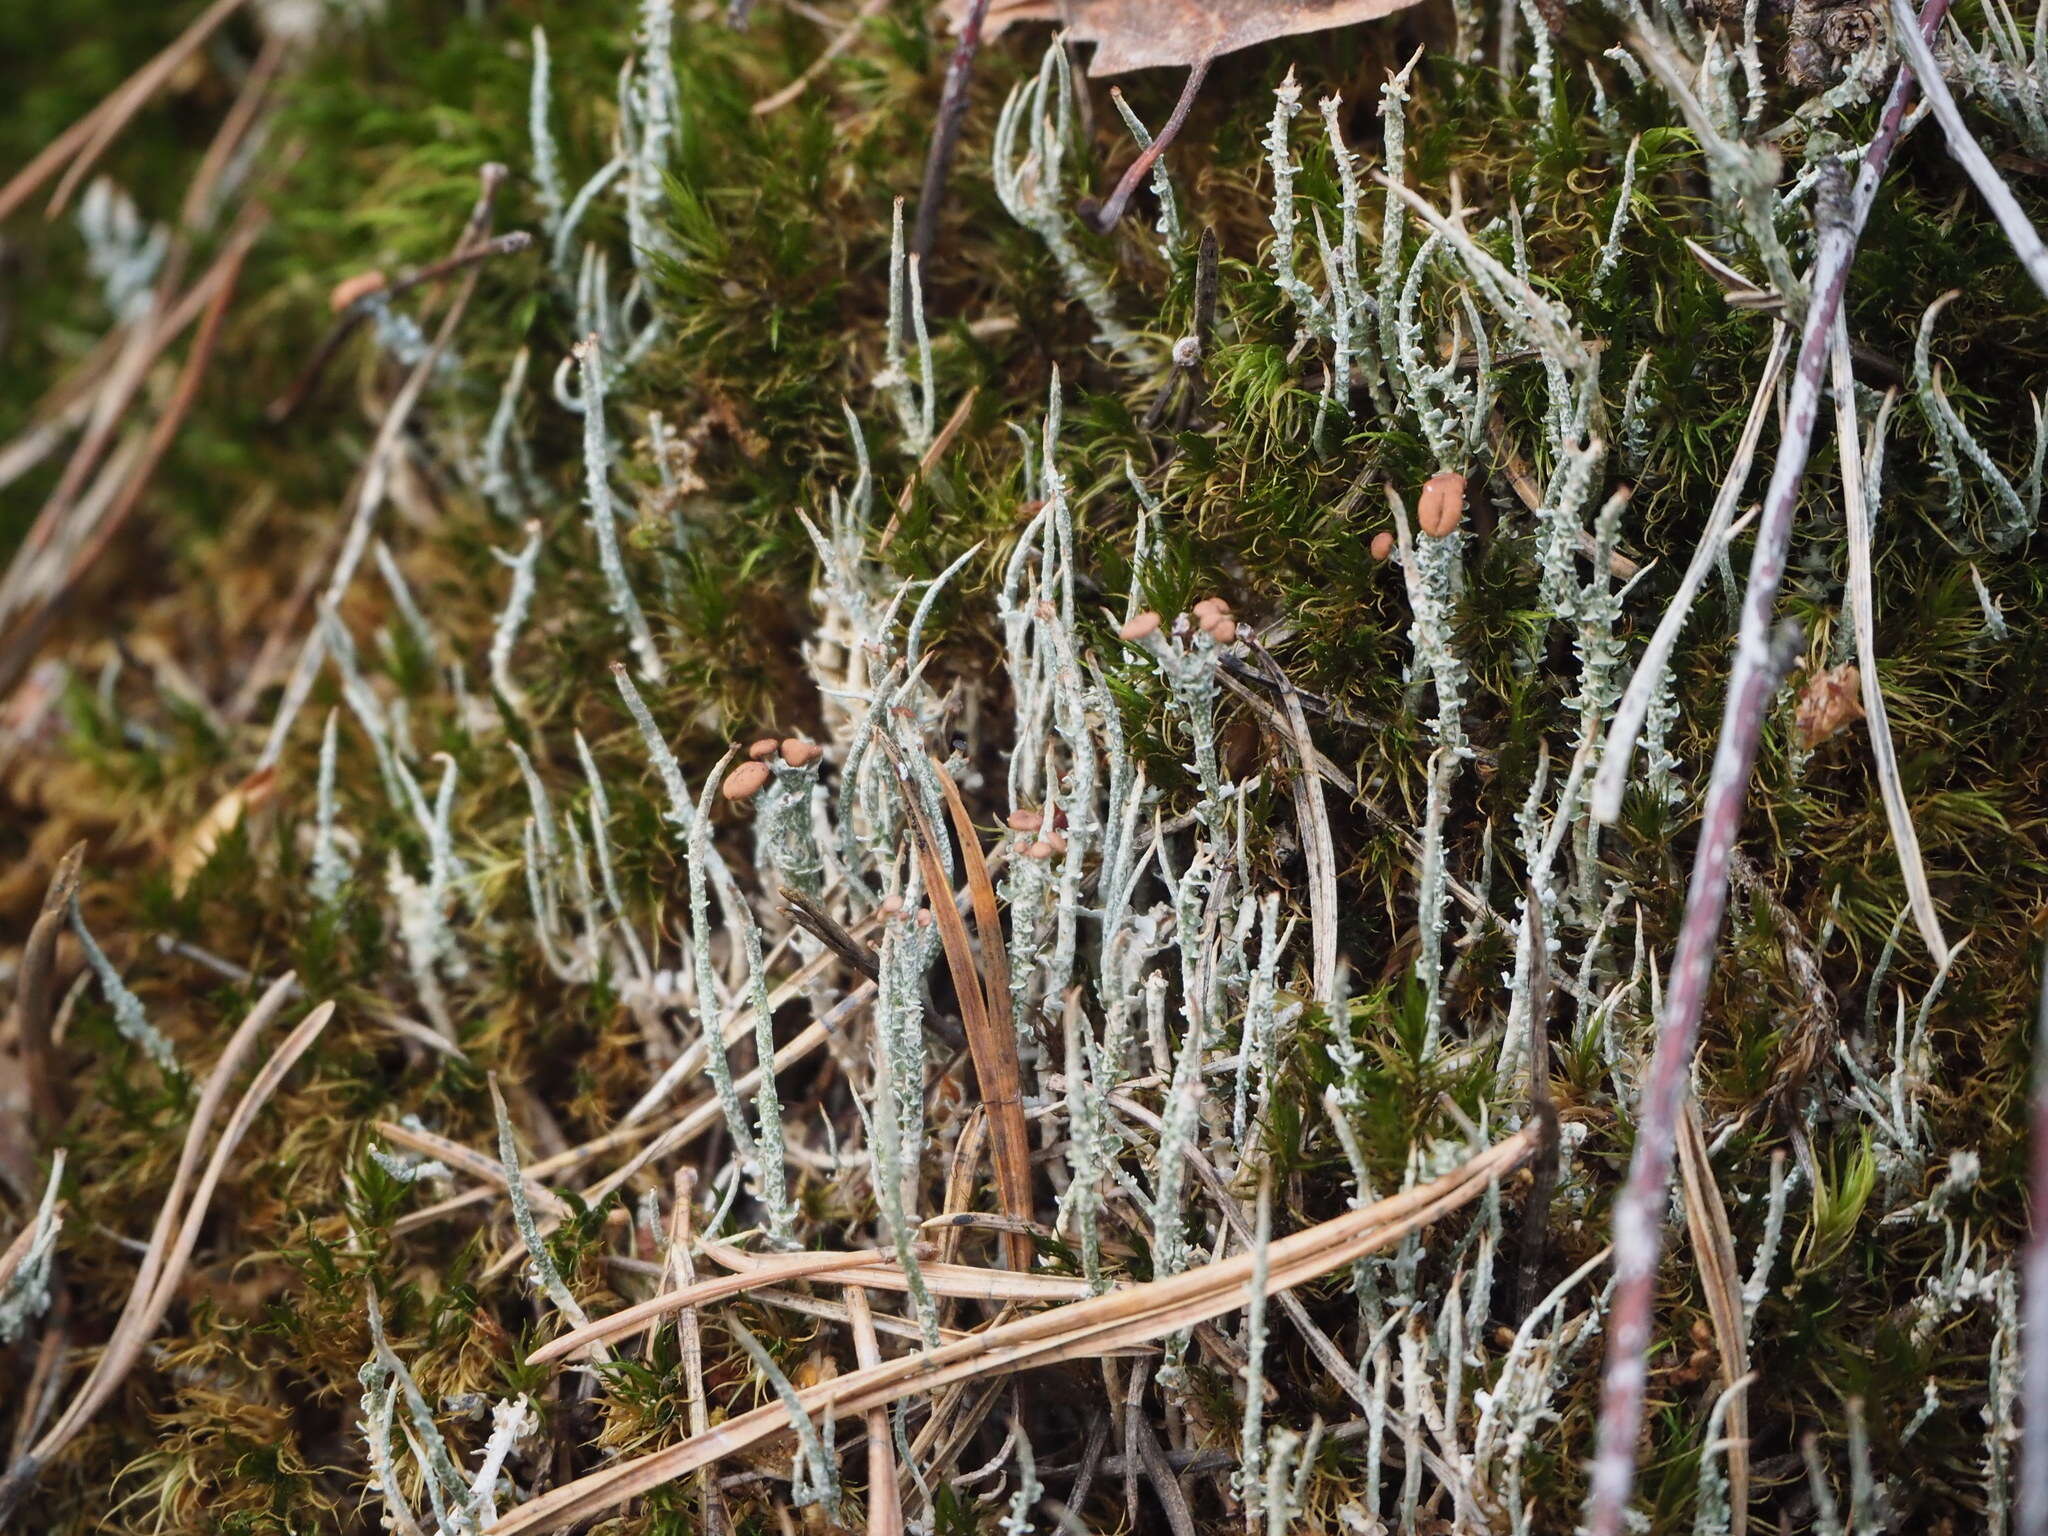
1109	213
1159	1473
1763	652
946	129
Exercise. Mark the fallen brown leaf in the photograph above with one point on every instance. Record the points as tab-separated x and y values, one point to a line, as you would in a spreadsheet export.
1830	703
1156	34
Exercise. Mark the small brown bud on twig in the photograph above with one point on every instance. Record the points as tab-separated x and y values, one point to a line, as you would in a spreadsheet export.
1383	544
799	753
1213	616
1146	623
1830	703
1025	821
745	781
764	749
1441	506
350	289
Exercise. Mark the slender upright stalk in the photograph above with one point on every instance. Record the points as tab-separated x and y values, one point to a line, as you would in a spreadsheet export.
2032	1515
946	131
1759	661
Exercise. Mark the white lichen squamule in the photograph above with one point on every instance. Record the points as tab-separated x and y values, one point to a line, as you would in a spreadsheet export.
129	1015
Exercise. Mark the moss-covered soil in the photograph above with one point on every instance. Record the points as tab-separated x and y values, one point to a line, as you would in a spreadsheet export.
152	693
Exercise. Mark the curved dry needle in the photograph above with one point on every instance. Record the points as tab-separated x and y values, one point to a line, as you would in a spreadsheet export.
826	929
1105	216
355	313
1542	1111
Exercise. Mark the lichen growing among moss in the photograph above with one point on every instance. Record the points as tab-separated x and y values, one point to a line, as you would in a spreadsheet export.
581	659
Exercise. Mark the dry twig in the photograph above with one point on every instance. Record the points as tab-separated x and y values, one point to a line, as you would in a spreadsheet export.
1084	1330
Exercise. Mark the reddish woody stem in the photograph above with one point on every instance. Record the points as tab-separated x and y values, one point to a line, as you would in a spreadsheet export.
1105	218
946	132
1759	663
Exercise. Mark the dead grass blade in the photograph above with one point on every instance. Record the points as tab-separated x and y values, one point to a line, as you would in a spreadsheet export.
837	1312
968	1282
22	644
690	1335
981	890
77	501
1863	602
1611	781
537	1171
693	1123
1312	814
116	112
467	1160
841	40
604	1329
1706	1220
737	1026
178	1224
85	140
811	916
810	1038
1084	1330
993	1046
191	852
885	1500
1334	776
1321	1345
35	991
967	1149
39	1395
196	211
867	1268
932	455
367	496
